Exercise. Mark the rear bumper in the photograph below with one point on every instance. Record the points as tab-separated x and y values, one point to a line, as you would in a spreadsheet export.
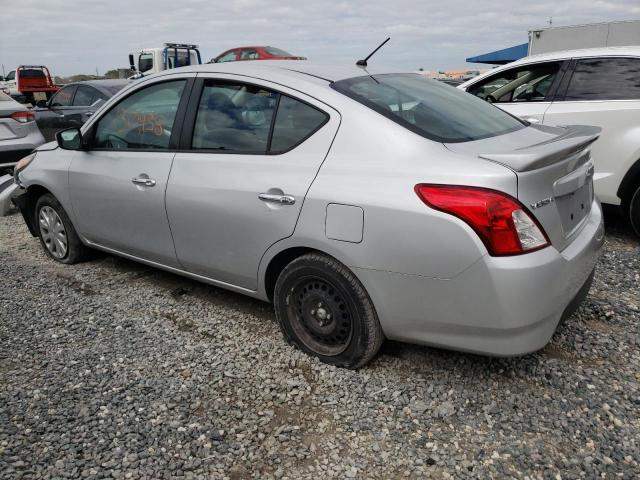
12	150
499	306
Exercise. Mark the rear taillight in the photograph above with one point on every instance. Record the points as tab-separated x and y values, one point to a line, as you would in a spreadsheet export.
501	222
22	117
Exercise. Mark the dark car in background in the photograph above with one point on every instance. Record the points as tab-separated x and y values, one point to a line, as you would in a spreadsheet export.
73	104
254	53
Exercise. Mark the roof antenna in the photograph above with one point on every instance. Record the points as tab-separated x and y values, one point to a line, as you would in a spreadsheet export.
363	63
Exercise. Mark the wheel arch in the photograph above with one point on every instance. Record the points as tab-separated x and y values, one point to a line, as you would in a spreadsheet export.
285	251
278	262
27	203
630	182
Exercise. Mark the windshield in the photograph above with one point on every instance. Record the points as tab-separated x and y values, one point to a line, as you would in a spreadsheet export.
434	110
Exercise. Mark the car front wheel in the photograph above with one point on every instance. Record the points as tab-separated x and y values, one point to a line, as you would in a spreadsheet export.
57	235
324	310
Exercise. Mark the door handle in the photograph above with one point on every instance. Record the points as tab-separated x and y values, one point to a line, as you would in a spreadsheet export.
88	114
531	119
282	199
146	182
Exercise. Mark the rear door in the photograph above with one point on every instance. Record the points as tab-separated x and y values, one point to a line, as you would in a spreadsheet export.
249	153
525	91
604	92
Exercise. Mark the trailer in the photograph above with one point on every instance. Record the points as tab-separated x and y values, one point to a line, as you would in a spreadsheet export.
593	35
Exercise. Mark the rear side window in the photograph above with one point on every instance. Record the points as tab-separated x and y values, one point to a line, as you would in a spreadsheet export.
234	118
605	79
525	84
240	118
295	122
249	55
141	121
87	96
429	108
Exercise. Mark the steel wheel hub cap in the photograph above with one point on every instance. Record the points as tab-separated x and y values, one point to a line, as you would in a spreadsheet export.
320	316
53	232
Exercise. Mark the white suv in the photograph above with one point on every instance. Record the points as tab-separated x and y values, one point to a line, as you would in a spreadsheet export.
597	86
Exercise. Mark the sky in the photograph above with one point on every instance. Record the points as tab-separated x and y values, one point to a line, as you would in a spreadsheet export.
80	36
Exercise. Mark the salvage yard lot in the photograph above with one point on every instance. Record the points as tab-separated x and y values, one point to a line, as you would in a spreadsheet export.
111	369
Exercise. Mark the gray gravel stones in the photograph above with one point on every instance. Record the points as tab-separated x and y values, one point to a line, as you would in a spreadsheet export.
110	369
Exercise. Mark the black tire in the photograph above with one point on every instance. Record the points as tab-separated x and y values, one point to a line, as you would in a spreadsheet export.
344	330
634	211
76	251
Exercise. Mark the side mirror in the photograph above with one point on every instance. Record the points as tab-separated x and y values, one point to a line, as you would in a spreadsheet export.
41	104
69	139
132	62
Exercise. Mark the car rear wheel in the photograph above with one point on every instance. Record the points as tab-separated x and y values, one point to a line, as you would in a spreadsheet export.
324	310
57	235
634	211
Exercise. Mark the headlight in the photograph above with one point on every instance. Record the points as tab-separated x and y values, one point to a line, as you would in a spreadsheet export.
21	165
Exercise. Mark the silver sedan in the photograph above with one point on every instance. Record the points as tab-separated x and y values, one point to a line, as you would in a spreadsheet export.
364	205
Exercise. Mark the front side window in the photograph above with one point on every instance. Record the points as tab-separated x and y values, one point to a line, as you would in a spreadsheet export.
64	97
227	57
234	117
429	108
143	120
145	62
11	76
605	79
524	84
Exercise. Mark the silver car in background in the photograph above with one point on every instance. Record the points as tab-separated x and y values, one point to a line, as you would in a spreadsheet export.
19	134
364	205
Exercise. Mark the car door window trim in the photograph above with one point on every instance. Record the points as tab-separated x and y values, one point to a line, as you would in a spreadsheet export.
177	125
188	124
551	95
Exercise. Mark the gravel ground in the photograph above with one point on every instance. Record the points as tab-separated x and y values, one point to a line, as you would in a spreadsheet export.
110	369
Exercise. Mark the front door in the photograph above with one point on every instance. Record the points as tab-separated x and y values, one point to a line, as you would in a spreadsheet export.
253	151
523	91
117	185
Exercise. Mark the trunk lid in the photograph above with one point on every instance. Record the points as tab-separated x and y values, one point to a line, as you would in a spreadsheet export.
554	170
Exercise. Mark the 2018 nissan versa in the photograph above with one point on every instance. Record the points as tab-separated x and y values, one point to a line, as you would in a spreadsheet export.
364	205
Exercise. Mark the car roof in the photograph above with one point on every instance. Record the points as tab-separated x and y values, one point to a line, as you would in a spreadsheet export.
633	50
326	72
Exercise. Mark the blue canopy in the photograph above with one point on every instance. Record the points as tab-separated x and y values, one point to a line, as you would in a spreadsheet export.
500	57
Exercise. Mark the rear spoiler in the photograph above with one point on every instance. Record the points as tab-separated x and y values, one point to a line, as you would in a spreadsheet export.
576	138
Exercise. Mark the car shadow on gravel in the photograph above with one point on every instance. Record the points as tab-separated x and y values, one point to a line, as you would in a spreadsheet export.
410	359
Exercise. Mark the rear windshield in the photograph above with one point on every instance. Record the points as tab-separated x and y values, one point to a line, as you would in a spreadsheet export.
31	73
277	52
434	110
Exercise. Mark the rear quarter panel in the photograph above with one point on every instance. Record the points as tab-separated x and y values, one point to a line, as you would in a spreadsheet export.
375	164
